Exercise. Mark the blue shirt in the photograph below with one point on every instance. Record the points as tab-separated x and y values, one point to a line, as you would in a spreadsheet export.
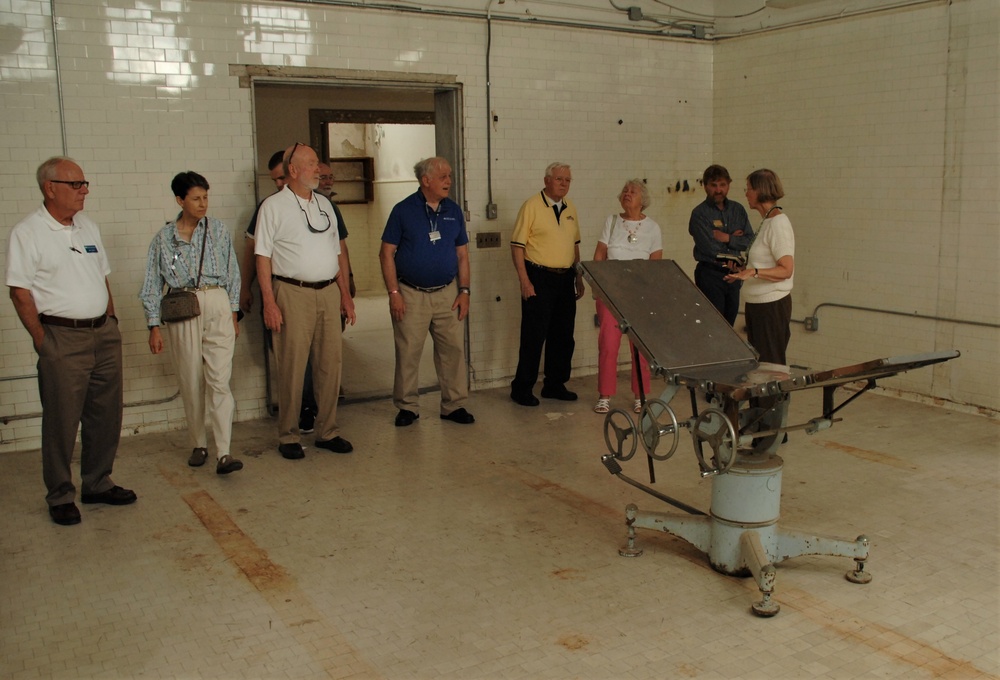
174	262
731	218
419	260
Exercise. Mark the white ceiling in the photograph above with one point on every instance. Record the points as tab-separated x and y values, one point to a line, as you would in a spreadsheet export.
703	19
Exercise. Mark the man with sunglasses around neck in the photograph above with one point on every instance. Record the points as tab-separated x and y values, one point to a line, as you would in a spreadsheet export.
57	272
304	295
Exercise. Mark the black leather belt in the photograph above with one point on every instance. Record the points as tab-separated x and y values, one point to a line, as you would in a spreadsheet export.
317	285
96	322
554	270
433	289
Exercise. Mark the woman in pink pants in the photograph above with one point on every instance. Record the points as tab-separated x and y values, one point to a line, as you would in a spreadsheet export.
629	235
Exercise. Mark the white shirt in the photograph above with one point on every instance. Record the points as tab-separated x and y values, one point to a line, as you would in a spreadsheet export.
775	239
644	234
295	251
64	267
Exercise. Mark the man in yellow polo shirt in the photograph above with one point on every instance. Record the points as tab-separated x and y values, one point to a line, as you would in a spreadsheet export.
545	247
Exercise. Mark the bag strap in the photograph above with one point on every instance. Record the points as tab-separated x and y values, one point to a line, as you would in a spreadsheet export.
201	265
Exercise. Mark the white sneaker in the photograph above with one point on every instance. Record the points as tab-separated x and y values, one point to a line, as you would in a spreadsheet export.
603	406
637	406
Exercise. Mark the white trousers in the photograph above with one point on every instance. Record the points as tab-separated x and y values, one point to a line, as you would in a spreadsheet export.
202	349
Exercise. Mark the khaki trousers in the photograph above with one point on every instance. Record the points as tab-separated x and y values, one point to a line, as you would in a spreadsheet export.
311	332
430	311
80	386
202	350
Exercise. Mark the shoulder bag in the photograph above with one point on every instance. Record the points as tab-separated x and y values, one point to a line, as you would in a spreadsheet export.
181	305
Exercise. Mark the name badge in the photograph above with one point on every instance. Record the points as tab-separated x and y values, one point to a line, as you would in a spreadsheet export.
90	249
435	236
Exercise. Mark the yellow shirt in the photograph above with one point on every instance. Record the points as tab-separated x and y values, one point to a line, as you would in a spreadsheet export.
546	241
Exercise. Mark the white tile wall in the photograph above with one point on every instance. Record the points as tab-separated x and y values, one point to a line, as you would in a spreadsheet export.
856	116
885	132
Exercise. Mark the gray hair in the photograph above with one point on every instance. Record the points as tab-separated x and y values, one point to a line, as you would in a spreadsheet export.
426	166
47	171
549	171
643	191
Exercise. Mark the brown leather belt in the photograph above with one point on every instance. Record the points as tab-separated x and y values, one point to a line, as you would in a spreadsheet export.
317	285
554	270
96	322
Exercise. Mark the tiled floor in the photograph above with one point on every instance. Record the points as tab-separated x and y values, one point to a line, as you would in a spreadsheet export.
491	551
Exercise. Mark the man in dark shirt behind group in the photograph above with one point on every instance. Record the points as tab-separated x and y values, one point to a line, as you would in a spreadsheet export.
719	226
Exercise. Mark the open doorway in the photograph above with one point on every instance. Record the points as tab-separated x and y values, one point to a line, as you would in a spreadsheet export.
371	135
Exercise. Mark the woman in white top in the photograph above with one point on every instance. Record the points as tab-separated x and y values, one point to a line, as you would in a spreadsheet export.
629	235
767	292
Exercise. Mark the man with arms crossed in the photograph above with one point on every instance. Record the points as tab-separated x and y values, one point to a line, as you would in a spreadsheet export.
718	226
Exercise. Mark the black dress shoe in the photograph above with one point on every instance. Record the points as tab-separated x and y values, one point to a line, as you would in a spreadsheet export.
66	514
405	418
116	495
337	445
560	393
291	451
460	416
524	398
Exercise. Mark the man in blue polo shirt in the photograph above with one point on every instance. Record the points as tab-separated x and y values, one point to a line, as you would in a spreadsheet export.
425	264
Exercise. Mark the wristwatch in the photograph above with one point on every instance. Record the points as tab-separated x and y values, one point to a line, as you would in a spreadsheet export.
465	289
755	272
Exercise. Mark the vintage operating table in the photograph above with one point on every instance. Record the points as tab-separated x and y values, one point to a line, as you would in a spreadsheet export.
689	344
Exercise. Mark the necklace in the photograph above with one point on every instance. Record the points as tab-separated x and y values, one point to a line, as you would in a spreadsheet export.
757	233
633	232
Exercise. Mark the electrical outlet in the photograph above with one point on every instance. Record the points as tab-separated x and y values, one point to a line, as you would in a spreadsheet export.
812	323
488	239
491	211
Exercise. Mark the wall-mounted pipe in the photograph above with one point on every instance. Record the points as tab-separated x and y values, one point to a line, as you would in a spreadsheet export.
4	420
912	315
59	83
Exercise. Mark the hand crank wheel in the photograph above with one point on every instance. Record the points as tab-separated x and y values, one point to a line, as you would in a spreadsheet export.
722	439
652	428
622	431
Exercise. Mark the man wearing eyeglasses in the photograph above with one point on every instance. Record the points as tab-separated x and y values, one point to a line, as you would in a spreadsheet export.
302	273
57	272
425	264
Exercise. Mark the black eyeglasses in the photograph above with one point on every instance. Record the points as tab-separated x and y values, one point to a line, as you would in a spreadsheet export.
76	184
292	154
313	229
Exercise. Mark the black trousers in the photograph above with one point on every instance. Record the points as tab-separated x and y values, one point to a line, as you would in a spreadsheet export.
547	320
768	330
725	297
